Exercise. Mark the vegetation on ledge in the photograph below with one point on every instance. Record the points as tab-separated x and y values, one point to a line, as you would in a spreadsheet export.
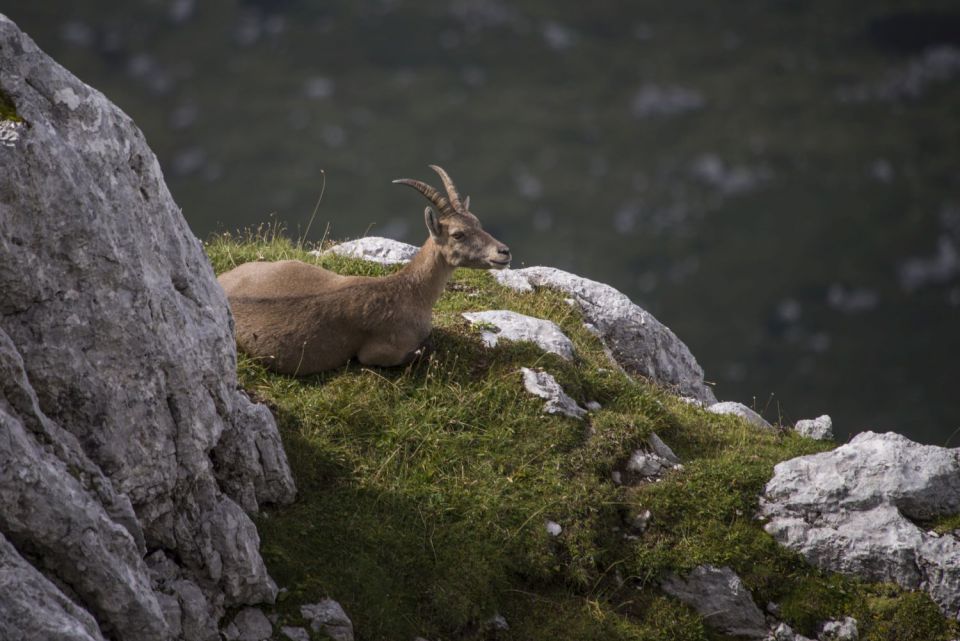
424	492
7	109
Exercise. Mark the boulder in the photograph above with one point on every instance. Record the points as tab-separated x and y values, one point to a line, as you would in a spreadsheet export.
820	428
250	624
520	327
636	340
546	387
720	597
741	410
375	249
841	630
127	432
859	509
328	617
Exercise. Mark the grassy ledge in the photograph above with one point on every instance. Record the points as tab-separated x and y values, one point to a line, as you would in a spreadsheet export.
424	492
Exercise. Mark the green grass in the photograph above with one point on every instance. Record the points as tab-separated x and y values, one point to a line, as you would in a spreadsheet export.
424	491
7	109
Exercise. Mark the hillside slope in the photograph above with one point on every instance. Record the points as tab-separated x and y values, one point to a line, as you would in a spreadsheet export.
437	496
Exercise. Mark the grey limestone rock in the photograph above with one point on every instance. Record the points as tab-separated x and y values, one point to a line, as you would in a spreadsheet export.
250	624
31	607
127	433
295	633
327	616
722	600
520	327
636	340
741	410
376	249
546	387
842	630
855	510
820	428
783	632
650	464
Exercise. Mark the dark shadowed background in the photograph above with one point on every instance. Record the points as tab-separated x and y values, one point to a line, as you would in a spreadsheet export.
779	182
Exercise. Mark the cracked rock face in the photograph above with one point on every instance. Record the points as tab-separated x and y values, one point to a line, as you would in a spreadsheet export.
124	429
636	340
855	510
520	327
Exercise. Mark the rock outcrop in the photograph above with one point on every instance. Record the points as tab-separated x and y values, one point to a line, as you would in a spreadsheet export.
124	431
860	509
636	340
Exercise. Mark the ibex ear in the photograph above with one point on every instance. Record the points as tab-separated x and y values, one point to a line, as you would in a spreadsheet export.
433	222
466	203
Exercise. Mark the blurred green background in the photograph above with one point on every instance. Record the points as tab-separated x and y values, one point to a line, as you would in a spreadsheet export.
778	182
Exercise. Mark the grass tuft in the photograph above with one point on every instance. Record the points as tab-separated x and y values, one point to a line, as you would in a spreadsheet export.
424	491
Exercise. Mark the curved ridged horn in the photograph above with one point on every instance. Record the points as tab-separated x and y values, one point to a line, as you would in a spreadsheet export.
442	204
450	187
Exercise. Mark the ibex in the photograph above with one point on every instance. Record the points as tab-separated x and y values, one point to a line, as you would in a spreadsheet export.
301	319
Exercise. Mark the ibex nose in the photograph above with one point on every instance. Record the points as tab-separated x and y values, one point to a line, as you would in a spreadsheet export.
503	250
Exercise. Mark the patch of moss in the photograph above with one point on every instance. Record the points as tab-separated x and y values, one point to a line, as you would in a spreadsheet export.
8	110
424	491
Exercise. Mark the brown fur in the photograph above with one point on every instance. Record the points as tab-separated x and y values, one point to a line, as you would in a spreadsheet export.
301	319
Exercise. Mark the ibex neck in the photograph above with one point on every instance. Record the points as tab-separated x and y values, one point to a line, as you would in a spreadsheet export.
427	273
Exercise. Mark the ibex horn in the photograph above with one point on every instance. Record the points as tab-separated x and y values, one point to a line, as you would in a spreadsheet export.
442	204
451	188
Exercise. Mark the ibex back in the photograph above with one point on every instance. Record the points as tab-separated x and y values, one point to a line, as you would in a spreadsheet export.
301	319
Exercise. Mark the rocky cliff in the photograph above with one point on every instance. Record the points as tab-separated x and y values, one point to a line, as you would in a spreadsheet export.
129	460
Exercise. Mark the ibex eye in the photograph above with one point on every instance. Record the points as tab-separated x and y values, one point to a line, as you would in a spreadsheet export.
458	235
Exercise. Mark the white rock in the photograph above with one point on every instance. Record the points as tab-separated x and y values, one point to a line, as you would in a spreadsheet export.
820	428
784	632
720	597
546	387
741	410
513	279
637	341
250	624
295	633
843	630
328	617
594	406
640	522
553	528
852	509
519	327
375	249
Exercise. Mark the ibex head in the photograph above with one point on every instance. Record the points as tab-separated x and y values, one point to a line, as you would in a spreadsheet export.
455	230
